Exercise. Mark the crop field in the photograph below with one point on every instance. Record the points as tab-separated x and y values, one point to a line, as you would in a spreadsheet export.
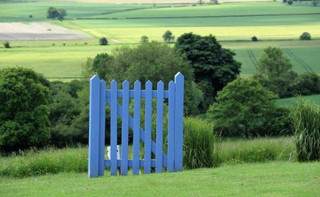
275	24
292	102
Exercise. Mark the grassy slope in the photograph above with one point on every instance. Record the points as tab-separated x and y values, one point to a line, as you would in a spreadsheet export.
271	179
292	102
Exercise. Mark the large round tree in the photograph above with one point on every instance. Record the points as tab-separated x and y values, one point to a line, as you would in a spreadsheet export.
213	65
24	112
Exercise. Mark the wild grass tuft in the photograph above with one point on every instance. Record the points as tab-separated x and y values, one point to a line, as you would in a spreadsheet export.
306	124
198	143
48	161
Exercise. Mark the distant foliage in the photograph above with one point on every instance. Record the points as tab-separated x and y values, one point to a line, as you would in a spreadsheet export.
254	38
168	36
103	41
290	2
144	39
213	65
275	72
198	143
24	111
6	45
305	36
306	84
306	124
54	13
315	2
245	108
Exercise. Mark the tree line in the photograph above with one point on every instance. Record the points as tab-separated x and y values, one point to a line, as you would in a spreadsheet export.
35	112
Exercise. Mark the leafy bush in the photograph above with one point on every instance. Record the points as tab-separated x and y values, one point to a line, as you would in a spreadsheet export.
306	84
254	38
6	44
198	143
245	108
315	2
305	36
168	36
290	2
144	39
103	41
53	13
306	124
24	111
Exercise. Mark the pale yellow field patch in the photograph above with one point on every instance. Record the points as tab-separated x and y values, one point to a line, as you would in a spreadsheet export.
132	35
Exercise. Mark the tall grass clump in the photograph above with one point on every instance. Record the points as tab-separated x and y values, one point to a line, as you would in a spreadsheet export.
198	143
306	125
47	161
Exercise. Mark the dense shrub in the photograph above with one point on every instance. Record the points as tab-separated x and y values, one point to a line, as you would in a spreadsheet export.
103	41
198	143
254	38
305	36
290	2
59	13
24	111
307	84
306	124
245	108
6	44
144	39
168	36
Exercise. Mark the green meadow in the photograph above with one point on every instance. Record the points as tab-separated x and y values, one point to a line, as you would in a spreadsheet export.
266	179
292	102
274	24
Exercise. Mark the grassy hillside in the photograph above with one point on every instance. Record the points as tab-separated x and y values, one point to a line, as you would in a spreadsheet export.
269	179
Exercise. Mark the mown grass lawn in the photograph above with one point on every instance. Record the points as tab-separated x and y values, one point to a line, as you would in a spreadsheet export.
268	179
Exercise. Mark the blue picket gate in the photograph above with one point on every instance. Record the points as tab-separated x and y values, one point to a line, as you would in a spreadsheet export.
99	96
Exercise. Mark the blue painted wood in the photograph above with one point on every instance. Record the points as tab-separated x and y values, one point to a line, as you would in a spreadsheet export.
113	120
178	125
125	128
136	128
159	130
93	160
171	116
148	127
102	127
143	94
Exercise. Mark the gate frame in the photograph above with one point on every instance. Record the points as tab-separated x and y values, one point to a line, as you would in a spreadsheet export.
99	96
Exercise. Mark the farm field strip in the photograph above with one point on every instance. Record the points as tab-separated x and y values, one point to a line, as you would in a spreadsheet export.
292	102
132	35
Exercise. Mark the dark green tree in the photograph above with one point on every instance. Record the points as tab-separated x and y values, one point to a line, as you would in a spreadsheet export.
245	108
168	36
59	13
144	39
101	65
24	111
103	41
305	36
213	65
275	72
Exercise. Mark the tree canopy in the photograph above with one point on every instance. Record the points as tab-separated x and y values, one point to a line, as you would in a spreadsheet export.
245	108
24	112
213	65
59	13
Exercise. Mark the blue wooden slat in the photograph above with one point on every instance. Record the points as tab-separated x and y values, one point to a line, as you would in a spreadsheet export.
148	127
178	125
159	130
142	132
131	94
136	128
125	127
113	120
94	113
171	141
102	127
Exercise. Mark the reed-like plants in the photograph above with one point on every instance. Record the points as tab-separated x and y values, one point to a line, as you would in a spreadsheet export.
306	125
198	143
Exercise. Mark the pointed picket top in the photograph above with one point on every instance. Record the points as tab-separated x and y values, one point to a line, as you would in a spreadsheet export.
178	76
137	83
160	84
125	84
171	84
114	83
94	78
103	82
148	84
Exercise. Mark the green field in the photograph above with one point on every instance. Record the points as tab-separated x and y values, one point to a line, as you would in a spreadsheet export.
269	179
292	102
274	23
